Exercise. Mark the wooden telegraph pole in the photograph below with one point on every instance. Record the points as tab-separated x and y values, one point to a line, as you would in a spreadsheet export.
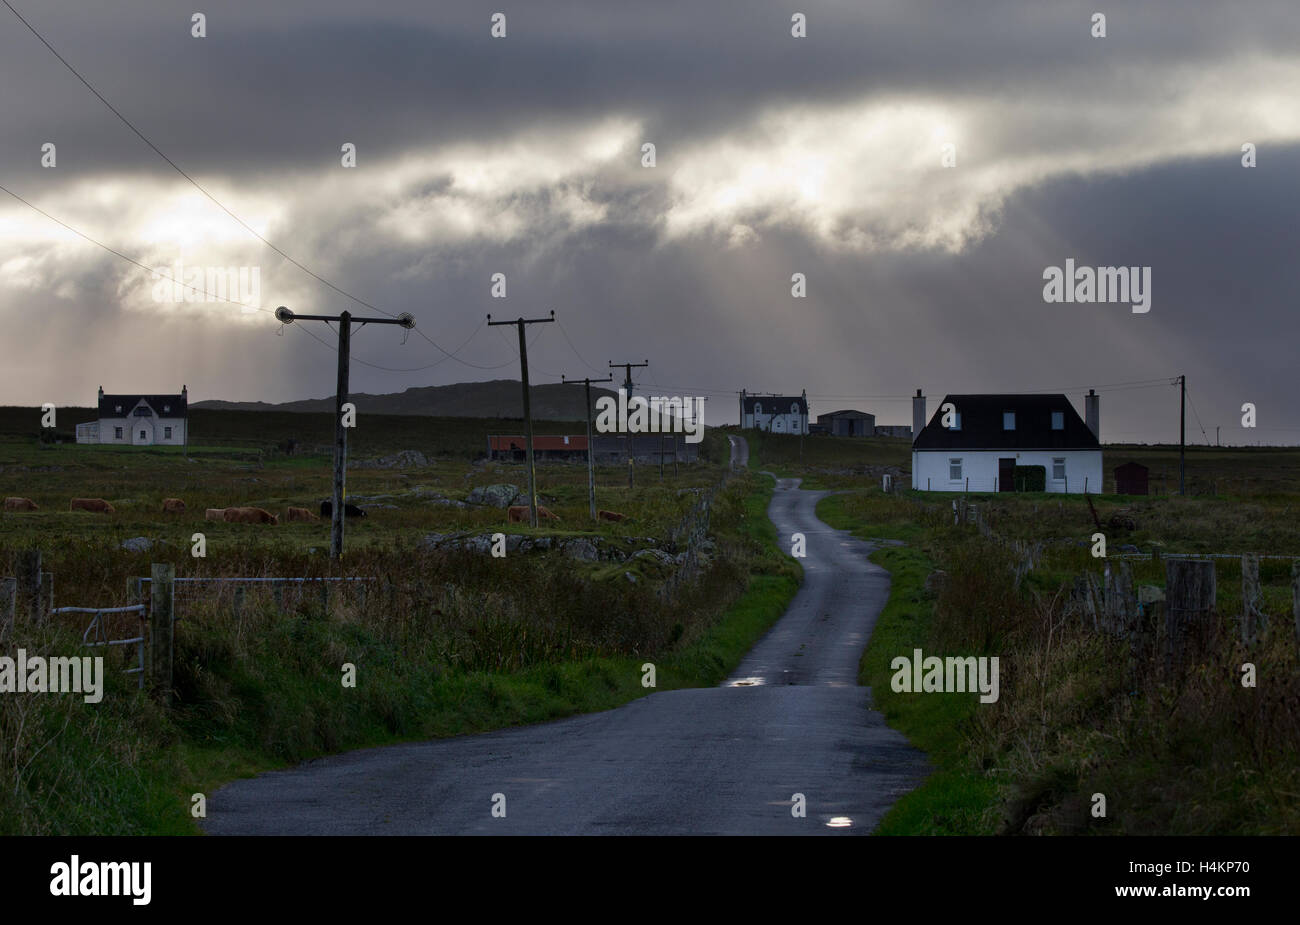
627	389
591	466
1182	436
345	322
528	409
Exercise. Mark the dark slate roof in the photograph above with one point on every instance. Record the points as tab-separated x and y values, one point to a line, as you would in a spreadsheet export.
108	405
848	411
981	425
776	404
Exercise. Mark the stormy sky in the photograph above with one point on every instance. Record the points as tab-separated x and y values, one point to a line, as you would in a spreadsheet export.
774	155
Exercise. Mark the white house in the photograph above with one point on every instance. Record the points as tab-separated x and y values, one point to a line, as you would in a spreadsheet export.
991	436
139	420
779	414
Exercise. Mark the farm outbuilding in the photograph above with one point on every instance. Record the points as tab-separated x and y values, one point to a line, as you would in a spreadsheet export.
848	423
1131	479
608	448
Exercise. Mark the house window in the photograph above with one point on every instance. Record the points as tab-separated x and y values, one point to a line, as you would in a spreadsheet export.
117	433
758	409
956	421
794	409
166	408
1008	420
142	436
954	470
1058	470
167	434
144	411
118	408
1058	420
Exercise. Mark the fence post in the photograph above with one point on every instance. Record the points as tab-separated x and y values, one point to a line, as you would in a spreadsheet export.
45	597
1252	617
8	597
1189	604
29	583
1295	597
277	594
162	619
324	597
238	604
135	595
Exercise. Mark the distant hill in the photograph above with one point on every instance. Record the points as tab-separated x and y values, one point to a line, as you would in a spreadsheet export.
500	398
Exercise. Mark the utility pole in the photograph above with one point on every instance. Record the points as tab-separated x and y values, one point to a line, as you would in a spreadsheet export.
591	465
345	321
528	408
1182	436
1216	436
627	389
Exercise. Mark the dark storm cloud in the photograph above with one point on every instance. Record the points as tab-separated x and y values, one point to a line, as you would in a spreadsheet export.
1068	147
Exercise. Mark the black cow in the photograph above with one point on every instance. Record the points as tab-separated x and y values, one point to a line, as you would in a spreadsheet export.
349	510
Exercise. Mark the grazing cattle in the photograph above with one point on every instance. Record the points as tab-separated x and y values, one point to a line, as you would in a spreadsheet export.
94	505
610	515
518	513
349	510
215	513
20	504
250	515
300	513
173	506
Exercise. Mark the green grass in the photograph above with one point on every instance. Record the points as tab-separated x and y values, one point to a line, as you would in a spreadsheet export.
263	691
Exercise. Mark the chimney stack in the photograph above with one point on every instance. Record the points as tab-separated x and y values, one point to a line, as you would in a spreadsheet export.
1092	412
918	414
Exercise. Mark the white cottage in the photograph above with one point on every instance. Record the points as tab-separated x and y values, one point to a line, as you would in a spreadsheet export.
139	420
991	437
779	414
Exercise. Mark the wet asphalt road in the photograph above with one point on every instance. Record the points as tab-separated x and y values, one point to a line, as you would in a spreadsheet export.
726	760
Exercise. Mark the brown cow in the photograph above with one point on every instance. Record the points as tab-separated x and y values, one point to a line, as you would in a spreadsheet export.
610	515
250	515
519	513
300	513
95	505
215	513
20	504
173	506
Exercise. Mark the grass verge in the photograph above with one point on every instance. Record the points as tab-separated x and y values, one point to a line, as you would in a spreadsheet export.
957	798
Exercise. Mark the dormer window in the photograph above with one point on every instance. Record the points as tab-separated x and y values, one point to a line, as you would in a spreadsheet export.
1008	420
167	408
117	408
794	409
758	408
1058	420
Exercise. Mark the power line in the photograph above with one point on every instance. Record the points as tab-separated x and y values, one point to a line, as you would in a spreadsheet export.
1197	416
575	349
117	253
139	134
214	296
